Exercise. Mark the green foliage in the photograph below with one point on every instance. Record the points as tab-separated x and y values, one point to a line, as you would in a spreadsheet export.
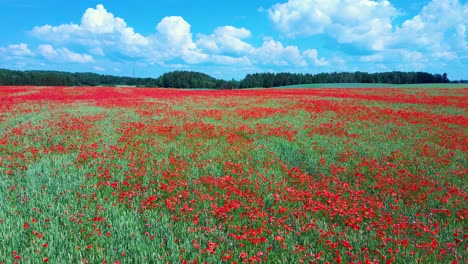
191	79
57	78
285	79
245	177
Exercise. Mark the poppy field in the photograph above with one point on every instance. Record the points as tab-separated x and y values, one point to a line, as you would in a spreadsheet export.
142	175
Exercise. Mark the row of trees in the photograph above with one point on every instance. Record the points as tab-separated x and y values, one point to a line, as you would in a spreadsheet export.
284	79
179	79
56	78
190	79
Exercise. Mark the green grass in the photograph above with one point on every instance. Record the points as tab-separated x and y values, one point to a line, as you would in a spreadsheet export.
376	85
147	184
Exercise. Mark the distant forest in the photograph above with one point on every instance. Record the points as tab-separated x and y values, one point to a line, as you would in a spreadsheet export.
190	79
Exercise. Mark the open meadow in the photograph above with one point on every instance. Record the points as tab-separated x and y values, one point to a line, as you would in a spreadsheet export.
141	175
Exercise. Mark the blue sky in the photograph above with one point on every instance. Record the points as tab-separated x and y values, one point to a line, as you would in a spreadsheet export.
228	39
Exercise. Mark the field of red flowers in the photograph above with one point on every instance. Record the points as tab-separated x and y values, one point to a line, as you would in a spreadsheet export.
133	175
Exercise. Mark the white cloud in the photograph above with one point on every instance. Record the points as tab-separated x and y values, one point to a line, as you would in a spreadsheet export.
16	50
47	51
430	38
312	54
207	43
298	17
370	24
176	31
364	22
75	57
436	35
226	39
61	33
228	60
174	40
17	56
20	50
99	21
411	60
101	33
63	54
429	30
274	53
98	28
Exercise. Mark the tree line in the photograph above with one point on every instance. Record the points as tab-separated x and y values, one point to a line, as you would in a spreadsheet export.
285	79
191	79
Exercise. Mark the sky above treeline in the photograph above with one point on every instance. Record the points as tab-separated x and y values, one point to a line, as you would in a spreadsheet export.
228	39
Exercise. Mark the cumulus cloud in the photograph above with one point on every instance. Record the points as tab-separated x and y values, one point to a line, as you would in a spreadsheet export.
99	21
226	39
16	56
410	60
98	28
429	37
229	60
366	26
47	51
438	31
349	21
16	50
176	38
274	53
101	33
312	55
20	50
61	33
176	31
63	54
430	30
370	24
75	57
